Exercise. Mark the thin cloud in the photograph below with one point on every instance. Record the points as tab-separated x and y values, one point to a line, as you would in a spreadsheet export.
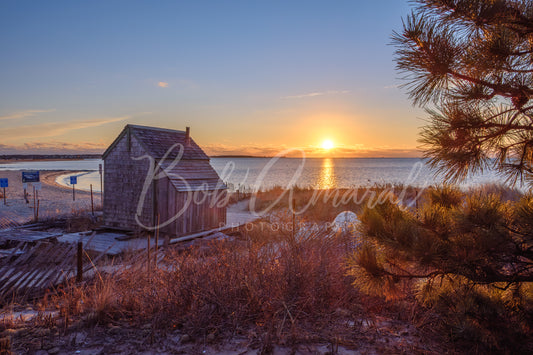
357	151
222	149
51	129
162	84
54	147
318	93
23	114
377	152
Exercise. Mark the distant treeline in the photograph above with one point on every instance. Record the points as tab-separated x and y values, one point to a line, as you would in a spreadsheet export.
49	156
239	156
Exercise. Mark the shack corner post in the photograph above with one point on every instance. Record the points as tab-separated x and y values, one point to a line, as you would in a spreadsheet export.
101	184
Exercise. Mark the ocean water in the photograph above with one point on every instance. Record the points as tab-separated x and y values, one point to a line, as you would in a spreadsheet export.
262	173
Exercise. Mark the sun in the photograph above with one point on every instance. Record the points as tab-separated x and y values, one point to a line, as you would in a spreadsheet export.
327	144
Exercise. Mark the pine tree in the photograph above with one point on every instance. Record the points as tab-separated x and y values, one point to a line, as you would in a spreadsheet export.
469	257
470	64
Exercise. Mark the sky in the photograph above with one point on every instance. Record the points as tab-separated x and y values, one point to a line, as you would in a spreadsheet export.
248	77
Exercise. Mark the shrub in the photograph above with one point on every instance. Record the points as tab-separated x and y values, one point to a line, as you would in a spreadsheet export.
283	289
469	256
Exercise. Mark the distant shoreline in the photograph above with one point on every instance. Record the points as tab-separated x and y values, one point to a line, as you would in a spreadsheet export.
7	158
270	157
238	156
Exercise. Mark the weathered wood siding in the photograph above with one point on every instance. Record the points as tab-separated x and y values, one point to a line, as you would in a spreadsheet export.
124	178
186	212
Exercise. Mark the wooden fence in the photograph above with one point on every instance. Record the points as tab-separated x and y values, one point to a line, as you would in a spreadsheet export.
29	269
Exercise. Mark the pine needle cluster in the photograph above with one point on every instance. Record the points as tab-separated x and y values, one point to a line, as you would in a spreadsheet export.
467	256
470	64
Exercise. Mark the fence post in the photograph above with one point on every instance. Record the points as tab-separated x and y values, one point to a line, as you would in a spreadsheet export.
34	204
79	275
148	255
92	202
293	218
156	242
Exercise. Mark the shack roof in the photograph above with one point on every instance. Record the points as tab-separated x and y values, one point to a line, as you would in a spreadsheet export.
158	141
193	176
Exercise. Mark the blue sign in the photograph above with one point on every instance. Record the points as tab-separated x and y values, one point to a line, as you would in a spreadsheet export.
73	180
30	176
4	183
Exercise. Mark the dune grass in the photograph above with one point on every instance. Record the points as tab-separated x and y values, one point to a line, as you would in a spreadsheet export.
267	285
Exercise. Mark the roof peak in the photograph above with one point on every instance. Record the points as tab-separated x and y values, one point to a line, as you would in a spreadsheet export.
161	142
154	128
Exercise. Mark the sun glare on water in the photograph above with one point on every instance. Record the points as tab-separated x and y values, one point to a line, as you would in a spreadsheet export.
327	144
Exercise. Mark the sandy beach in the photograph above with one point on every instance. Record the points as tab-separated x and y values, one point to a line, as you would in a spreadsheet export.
53	199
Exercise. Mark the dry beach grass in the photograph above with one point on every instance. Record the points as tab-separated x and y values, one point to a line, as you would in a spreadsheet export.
266	290
260	293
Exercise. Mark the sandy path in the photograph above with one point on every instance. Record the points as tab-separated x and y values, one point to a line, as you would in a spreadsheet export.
54	199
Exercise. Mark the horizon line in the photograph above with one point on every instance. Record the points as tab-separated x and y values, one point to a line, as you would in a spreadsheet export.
96	155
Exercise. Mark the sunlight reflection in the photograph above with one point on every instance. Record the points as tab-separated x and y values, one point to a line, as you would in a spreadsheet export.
327	178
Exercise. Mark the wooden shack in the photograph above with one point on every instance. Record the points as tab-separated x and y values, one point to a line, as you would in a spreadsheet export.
157	178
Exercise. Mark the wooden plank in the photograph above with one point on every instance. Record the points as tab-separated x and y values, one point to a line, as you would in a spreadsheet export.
48	280
22	259
26	268
44	278
15	282
92	263
7	259
27	235
28	278
58	251
61	268
25	278
12	279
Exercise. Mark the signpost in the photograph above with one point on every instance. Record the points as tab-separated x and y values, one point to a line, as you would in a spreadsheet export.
73	182
36	188
3	184
27	177
30	176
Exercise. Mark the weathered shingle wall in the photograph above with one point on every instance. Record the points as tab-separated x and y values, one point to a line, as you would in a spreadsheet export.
124	180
